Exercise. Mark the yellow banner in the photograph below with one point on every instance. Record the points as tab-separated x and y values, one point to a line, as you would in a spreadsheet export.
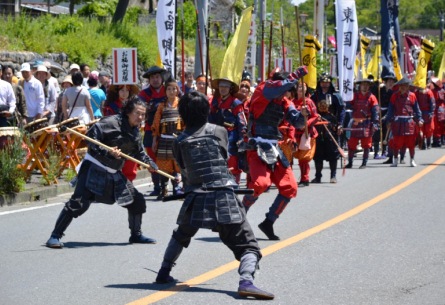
356	67
373	66
395	60
364	44
233	63
309	54
422	66
441	74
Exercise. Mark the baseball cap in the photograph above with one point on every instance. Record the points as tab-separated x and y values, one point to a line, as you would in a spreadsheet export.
25	67
104	74
74	66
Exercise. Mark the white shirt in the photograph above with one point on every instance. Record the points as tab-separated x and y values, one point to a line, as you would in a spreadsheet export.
50	101
7	96
35	98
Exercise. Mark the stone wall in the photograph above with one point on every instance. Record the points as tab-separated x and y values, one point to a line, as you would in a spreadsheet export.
16	59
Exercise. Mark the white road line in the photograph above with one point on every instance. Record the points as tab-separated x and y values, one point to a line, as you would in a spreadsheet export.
53	204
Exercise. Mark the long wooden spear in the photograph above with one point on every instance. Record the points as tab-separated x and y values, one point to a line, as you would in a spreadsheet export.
301	63
282	39
182	48
269	68
199	38
125	156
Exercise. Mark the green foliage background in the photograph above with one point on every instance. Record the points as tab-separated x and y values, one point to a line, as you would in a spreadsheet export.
89	35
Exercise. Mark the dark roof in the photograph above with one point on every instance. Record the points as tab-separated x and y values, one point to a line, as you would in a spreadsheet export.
43	7
423	32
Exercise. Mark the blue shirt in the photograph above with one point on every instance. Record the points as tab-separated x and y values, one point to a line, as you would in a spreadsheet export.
97	97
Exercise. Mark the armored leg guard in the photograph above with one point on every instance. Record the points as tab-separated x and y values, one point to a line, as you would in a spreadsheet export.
135	222
163	189
156	186
62	223
364	162
246	288
248	201
171	254
277	207
350	158
248	266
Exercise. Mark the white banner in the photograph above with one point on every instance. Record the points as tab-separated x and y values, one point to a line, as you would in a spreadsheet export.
250	60
165	23
125	66
347	38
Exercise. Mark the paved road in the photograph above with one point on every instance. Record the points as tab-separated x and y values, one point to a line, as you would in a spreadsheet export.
376	237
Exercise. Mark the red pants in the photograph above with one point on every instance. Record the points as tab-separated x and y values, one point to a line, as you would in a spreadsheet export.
261	177
353	142
438	128
428	129
304	170
232	163
404	141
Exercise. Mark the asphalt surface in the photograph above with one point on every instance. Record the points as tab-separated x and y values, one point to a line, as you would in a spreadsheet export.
375	237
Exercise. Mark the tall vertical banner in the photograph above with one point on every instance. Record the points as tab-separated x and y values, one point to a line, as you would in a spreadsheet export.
309	54
395	58
250	61
386	37
441	73
422	67
233	62
364	44
347	34
125	63
374	63
412	50
165	24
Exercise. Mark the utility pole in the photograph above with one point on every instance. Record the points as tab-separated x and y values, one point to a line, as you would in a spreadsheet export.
441	24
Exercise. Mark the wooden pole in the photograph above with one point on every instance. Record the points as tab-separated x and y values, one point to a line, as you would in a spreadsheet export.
301	63
125	156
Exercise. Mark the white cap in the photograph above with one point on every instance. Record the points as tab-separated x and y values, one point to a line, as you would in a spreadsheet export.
25	67
74	66
42	68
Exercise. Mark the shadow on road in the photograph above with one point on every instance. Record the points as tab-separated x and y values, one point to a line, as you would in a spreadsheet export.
74	244
174	287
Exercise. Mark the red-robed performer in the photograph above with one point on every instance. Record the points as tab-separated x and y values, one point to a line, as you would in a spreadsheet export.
267	163
312	131
404	115
427	105
364	115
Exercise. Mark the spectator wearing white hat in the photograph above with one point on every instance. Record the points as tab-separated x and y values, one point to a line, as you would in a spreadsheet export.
35	97
73	69
43	75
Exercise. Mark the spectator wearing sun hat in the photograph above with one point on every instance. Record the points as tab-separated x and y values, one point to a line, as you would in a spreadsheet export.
73	69
49	91
34	95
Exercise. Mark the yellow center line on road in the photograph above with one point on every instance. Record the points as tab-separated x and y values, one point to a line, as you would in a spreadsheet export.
162	294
